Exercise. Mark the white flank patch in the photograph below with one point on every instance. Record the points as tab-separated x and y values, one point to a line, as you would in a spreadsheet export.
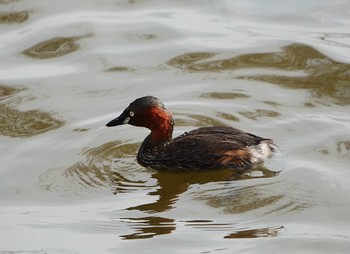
260	152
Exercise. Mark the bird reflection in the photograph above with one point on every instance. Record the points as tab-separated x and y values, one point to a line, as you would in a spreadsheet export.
169	186
148	227
255	233
172	184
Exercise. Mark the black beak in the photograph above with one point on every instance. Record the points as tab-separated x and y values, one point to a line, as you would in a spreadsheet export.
122	119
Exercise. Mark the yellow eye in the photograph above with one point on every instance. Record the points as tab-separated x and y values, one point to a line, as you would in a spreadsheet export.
131	113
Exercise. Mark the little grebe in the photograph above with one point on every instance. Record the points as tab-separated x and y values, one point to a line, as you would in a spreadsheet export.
201	149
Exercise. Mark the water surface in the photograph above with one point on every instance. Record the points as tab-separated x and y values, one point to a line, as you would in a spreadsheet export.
70	185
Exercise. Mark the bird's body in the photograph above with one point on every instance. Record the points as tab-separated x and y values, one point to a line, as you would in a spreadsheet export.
205	148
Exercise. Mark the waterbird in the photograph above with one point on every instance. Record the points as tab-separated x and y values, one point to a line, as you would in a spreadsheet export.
205	148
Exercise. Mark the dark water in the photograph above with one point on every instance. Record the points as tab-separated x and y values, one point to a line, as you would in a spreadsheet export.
70	185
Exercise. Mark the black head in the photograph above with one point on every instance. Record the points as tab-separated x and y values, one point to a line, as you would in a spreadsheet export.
142	112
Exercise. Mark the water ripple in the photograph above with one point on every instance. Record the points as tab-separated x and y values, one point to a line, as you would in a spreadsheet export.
15	123
51	48
13	17
325	77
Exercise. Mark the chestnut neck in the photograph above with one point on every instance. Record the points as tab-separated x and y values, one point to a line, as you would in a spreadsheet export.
161	135
161	125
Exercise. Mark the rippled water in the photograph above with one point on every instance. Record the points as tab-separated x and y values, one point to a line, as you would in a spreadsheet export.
70	185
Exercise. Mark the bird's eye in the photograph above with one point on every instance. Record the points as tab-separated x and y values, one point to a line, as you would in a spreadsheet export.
131	113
